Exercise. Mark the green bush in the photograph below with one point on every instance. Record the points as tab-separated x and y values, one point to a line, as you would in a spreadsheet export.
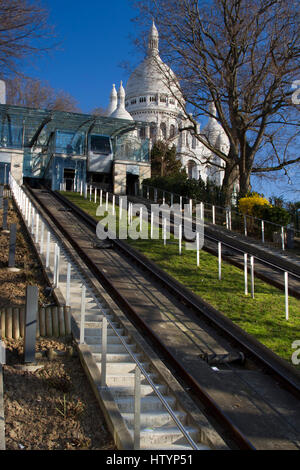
277	215
192	189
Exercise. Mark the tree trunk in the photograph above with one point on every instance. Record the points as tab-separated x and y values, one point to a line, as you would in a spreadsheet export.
231	177
245	185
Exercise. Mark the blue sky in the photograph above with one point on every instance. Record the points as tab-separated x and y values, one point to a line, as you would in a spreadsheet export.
95	38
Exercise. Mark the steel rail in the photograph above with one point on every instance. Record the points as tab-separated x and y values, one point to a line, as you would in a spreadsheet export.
235	433
289	376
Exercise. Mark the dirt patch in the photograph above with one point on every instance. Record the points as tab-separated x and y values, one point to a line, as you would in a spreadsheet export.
54	407
13	285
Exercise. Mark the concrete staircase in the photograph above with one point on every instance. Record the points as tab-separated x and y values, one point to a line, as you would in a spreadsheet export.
158	429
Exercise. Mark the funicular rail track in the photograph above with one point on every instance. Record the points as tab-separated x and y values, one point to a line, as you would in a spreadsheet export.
263	361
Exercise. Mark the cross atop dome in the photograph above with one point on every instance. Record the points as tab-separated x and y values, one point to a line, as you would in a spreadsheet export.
153	40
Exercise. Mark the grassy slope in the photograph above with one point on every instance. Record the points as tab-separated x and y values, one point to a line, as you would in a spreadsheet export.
263	317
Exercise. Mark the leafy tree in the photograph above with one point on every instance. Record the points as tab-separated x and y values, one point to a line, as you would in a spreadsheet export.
163	160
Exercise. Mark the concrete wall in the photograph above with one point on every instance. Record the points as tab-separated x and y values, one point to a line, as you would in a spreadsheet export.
119	178
17	166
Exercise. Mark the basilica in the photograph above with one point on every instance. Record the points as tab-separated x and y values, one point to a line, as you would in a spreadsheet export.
152	95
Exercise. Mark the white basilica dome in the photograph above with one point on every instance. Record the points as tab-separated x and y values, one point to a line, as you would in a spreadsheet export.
152	82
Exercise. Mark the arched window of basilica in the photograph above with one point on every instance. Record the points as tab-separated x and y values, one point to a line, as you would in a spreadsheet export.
172	131
163	129
191	167
152	130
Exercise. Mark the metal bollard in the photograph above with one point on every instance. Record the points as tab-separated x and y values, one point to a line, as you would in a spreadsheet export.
12	246
31	313
5	211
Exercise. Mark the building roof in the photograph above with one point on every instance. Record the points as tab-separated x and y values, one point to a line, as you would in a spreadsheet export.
38	124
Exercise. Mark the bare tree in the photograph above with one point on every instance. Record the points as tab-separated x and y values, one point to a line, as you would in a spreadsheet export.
242	55
23	31
33	93
98	111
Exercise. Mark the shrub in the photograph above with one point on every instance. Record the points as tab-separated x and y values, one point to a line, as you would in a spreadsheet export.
277	215
248	205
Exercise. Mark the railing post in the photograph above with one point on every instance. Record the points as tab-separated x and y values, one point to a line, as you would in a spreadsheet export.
106	202
120	208
165	231
282	238
245	225
198	248
152	224
141	219
286	290
246	272
113	204
220	259
101	197
213	215
262	231
82	314
180	239
42	238
104	351
252	276
68	285
48	250
95	196
137	409
37	226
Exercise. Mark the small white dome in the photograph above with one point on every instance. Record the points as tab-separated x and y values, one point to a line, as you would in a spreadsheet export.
120	112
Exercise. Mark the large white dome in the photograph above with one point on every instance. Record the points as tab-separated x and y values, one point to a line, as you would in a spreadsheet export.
152	76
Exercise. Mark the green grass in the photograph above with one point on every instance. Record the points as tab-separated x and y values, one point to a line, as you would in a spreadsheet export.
263	317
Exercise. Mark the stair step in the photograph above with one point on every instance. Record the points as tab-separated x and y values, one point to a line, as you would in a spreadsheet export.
166	435
157	418
174	447
121	357
126	404
128	390
89	340
97	332
111	348
121	368
124	380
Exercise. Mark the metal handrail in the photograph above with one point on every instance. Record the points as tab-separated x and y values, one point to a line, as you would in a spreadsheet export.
216	206
160	396
137	362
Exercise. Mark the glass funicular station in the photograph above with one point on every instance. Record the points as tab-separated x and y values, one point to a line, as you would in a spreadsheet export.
70	149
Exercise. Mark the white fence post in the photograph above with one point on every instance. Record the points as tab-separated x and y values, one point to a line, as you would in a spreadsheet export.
220	259
246	272
82	314
286	289
198	248
252	276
